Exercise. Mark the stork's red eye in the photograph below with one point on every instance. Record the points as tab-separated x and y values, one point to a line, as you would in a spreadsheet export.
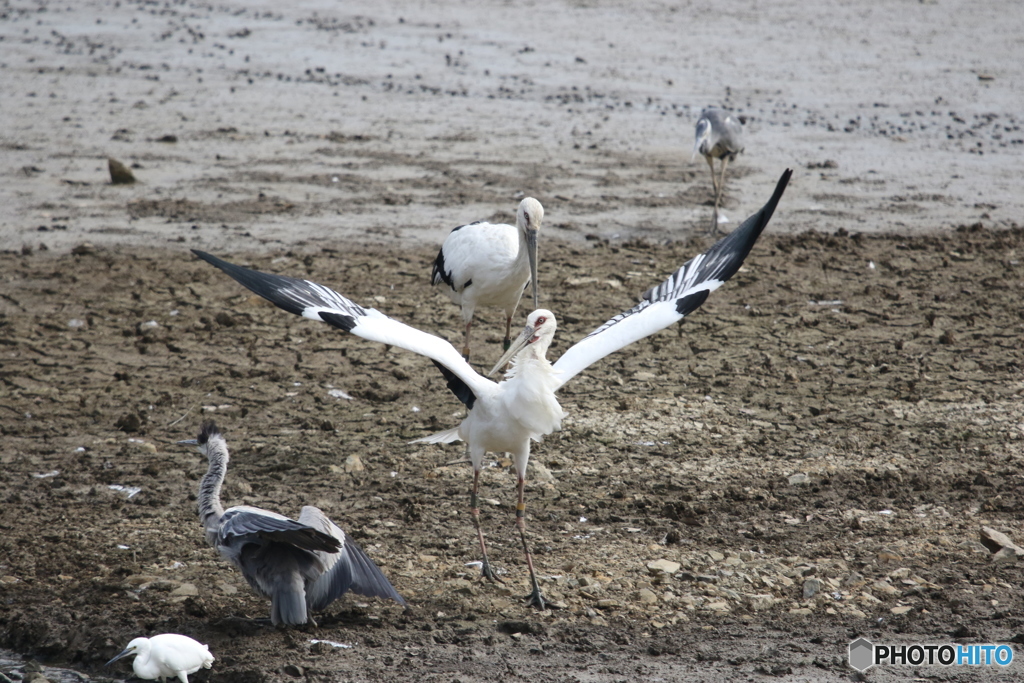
541	320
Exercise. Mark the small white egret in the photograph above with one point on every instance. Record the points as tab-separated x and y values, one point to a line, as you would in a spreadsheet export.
504	417
302	566
168	655
488	264
718	136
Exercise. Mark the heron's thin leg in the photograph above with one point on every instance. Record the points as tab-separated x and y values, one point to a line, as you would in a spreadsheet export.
714	180
465	345
721	180
535	599
486	570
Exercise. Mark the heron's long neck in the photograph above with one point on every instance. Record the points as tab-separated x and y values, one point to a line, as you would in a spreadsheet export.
210	509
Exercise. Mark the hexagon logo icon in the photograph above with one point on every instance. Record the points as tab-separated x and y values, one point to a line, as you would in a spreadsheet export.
862	654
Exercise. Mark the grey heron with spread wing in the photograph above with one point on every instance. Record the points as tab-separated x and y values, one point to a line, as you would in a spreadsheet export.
301	565
505	416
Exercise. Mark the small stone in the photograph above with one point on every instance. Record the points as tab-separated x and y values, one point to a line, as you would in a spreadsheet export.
854	580
227	588
647	596
720	606
1006	555
995	541
353	463
119	173
663	566
83	249
294	671
608	603
538	472
902	609
798	478
801	611
811	588
761	602
129	422
868	599
884	589
715	556
185	589
139	579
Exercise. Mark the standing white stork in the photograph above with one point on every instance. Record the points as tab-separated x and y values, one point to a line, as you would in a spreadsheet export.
718	136
489	264
302	566
506	416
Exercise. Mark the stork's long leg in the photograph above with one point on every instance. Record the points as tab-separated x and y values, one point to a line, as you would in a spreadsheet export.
535	599
485	570
465	342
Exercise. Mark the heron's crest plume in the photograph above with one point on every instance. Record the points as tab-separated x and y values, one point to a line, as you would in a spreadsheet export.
206	431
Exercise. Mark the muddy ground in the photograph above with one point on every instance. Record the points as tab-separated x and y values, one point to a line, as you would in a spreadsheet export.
887	370
841	418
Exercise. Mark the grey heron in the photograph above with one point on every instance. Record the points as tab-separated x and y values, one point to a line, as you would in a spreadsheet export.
506	416
168	655
719	135
302	566
489	264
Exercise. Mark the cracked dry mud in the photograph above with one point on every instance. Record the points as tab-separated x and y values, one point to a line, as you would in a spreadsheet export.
841	418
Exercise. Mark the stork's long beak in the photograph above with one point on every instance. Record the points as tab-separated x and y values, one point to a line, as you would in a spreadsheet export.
127	652
189	442
517	346
531	253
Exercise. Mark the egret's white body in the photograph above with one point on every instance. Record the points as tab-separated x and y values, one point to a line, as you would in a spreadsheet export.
301	565
168	655
718	135
506	416
490	264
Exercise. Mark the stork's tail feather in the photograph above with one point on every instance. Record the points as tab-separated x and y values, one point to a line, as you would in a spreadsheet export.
446	436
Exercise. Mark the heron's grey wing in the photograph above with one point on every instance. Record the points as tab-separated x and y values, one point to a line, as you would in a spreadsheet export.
682	293
732	133
274	527
348	570
317	302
